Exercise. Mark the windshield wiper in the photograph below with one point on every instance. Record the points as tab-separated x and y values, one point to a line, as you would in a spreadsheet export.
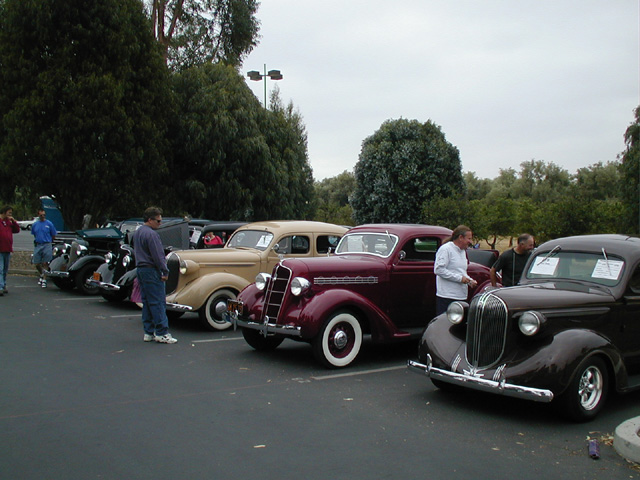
555	250
606	259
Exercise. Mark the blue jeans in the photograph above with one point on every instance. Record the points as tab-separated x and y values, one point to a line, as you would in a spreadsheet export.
154	310
4	268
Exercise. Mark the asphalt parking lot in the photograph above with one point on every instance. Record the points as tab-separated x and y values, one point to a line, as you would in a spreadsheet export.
83	397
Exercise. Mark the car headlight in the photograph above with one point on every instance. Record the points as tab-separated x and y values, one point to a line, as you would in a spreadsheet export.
126	260
262	279
531	322
183	267
108	257
80	249
299	285
456	312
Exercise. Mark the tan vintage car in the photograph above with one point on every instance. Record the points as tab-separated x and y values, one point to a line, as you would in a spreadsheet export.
203	280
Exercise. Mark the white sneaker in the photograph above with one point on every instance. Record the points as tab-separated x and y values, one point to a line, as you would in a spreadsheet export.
166	338
39	280
148	338
43	284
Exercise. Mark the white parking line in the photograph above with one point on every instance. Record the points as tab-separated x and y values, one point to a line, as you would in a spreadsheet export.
217	340
126	316
362	372
75	299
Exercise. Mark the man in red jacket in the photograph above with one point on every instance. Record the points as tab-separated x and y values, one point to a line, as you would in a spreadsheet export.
8	226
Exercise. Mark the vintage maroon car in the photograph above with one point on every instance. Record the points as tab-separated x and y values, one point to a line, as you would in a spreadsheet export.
380	282
569	333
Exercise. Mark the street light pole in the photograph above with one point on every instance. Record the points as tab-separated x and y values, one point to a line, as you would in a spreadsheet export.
257	76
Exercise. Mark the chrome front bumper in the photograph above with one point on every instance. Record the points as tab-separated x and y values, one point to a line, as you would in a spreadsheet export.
500	387
265	328
57	274
105	286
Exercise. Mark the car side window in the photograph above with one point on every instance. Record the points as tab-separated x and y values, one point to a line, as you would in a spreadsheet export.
421	249
294	244
326	242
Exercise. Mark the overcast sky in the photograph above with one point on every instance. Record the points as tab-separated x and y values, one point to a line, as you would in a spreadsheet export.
507	81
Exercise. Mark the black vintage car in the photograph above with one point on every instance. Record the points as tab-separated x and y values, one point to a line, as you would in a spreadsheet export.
114	278
568	334
74	263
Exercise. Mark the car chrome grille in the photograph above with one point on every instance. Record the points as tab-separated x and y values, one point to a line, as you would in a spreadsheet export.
173	264
486	330
276	292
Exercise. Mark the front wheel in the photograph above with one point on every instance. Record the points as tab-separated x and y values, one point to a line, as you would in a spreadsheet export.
81	277
213	309
258	341
339	341
587	391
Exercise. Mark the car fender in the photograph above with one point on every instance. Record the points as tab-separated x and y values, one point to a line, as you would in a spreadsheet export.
82	261
128	278
196	293
570	347
59	264
312	313
106	273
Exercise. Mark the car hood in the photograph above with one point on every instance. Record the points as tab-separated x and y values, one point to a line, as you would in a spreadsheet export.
338	265
551	295
221	256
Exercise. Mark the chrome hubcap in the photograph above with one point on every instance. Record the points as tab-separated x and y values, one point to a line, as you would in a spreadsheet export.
340	339
590	388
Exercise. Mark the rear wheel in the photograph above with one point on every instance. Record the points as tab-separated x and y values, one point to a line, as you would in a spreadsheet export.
259	341
339	341
587	391
213	309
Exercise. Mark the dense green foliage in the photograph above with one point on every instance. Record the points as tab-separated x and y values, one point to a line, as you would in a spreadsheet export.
234	159
401	166
83	101
195	32
332	199
631	172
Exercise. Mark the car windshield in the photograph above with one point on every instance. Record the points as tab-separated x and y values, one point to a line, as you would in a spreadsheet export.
380	244
594	267
258	239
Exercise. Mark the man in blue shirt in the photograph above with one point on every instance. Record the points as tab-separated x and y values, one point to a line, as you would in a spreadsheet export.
44	234
152	272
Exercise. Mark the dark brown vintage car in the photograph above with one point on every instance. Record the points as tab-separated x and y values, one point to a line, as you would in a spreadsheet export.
380	282
568	334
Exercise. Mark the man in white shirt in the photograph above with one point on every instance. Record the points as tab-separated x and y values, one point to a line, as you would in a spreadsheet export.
452	281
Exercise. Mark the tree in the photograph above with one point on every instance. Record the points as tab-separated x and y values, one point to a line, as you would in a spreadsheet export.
332	198
630	171
401	166
235	160
193	32
83	103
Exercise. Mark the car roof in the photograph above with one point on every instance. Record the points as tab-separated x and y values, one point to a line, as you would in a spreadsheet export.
622	245
403	229
295	226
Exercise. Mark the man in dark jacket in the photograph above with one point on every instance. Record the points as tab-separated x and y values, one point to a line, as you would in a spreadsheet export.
8	226
152	272
512	262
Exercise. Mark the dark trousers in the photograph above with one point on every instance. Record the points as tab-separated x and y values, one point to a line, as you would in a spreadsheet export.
154	309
